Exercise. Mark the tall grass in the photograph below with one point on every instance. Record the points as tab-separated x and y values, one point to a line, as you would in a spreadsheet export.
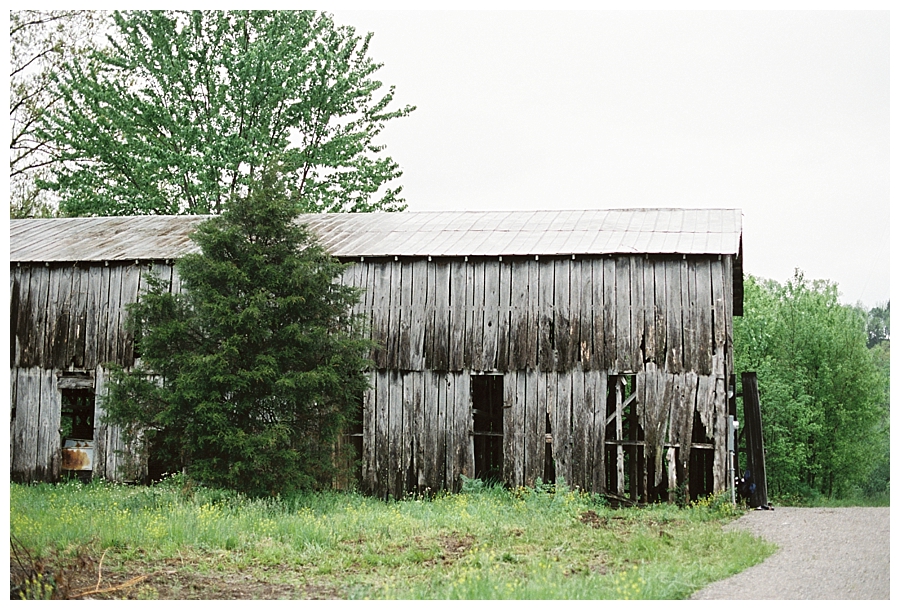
486	543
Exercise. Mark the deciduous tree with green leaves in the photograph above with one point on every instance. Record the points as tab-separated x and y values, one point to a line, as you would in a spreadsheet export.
41	43
822	393
183	110
248	376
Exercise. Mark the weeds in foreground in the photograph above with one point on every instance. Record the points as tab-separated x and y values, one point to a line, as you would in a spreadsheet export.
547	542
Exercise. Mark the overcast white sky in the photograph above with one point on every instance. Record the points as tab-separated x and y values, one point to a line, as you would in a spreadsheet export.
785	115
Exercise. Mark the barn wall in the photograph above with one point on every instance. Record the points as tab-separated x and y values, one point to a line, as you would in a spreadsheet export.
489	315
67	318
558	330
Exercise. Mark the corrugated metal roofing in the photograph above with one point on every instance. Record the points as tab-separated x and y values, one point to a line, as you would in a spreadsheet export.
546	233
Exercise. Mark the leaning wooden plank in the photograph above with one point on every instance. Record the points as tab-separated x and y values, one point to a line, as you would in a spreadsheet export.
620	450
562	328
720	457
490	341
458	312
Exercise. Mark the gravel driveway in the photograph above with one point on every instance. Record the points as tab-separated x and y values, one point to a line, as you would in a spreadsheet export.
824	553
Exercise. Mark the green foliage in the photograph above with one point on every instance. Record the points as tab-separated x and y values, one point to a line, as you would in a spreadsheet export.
247	377
822	396
184	108
878	324
40	44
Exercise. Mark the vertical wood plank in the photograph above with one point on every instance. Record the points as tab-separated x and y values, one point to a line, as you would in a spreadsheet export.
404	350
598	315
562	327
504	320
369	423
432	462
610	313
674	327
395	434
25	425
383	433
518	326
636	268
418	315
490	342
535	427
620	450
513	427
599	436
78	317
476	334
48	447
649	311
704	308
24	325
131	275
581	428
562	430
417	423
458	312
101	429
57	317
690	314
546	340
624	343
532	346
441	315
451	475
717	284
720	456
586	314
381	308
464	424
659	302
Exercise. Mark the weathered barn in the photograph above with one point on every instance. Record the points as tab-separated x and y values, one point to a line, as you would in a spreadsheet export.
592	347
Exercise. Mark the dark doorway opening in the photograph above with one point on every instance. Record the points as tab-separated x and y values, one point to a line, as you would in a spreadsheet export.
76	428
487	411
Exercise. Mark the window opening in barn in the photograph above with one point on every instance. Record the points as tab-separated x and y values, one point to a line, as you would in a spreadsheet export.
487	411
77	430
700	478
625	476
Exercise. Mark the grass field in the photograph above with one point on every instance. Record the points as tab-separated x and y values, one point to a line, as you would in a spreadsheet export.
177	541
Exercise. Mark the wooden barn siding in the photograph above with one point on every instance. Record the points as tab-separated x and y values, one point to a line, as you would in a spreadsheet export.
67	318
556	328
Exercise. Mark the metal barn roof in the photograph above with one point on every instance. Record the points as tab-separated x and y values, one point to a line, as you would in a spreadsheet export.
545	233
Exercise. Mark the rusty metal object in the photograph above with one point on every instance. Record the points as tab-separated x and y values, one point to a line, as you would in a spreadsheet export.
78	454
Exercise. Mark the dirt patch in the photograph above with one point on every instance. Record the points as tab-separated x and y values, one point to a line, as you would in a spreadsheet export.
454	546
